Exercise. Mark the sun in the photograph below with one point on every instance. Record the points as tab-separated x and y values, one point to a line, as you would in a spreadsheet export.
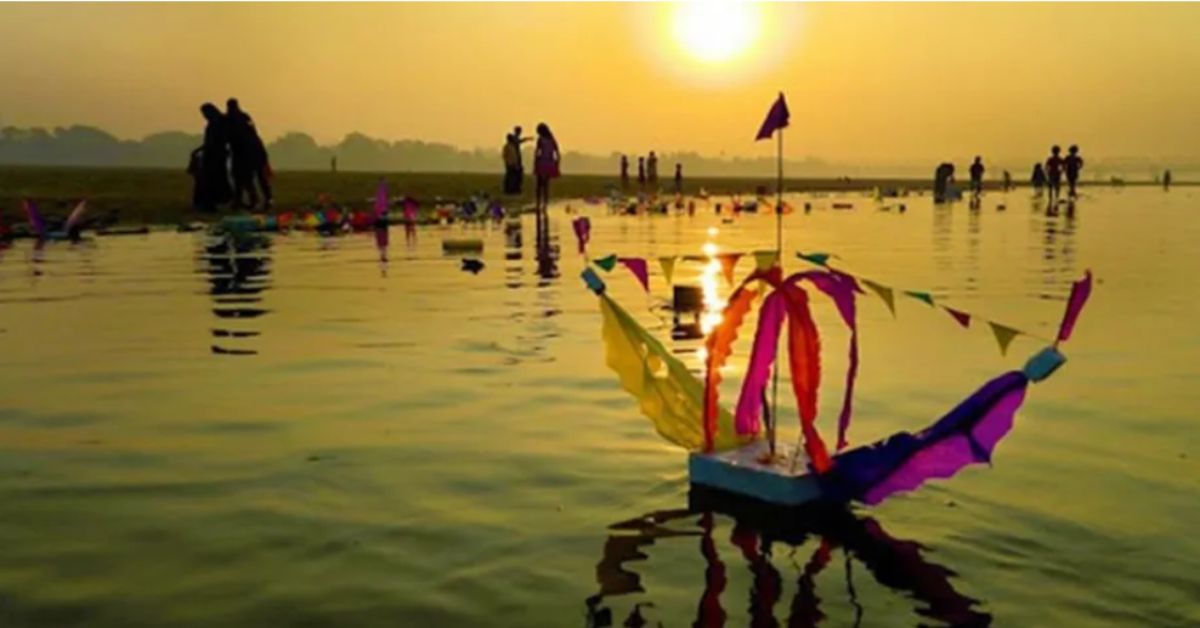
715	31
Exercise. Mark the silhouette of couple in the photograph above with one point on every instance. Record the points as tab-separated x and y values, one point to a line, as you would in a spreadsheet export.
231	143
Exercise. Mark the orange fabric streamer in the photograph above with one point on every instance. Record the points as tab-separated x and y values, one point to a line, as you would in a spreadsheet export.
804	360
718	346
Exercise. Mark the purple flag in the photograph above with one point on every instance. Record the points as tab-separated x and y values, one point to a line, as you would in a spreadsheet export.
777	118
638	267
35	217
1080	291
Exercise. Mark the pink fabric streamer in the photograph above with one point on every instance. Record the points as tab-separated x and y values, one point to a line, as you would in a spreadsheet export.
841	288
35	217
639	268
381	200
762	356
583	233
1080	291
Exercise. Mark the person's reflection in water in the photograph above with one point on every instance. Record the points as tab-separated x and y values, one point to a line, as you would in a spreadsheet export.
238	269
898	565
547	251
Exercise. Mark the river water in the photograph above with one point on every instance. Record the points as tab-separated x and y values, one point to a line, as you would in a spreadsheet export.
309	435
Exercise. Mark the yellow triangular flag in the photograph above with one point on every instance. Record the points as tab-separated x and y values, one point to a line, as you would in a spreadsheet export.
1004	335
765	260
884	293
668	267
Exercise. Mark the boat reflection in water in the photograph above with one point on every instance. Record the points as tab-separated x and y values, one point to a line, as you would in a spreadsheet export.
758	531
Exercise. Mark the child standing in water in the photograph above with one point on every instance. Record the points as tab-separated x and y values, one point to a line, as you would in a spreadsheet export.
1073	164
1038	178
1054	166
545	164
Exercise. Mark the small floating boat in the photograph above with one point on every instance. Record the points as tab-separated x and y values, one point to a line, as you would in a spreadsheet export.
121	231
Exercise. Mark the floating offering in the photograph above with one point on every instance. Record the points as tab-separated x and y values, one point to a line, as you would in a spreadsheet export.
120	231
733	453
465	245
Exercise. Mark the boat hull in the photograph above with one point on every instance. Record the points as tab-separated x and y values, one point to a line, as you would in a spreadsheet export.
739	472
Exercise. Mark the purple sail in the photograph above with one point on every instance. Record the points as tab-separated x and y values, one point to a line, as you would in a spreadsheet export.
966	435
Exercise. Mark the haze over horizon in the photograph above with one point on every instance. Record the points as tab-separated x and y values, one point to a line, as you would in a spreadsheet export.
867	83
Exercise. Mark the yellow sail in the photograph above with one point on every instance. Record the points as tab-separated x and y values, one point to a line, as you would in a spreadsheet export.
666	392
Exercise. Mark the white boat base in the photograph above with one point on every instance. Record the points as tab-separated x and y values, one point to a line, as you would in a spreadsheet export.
739	471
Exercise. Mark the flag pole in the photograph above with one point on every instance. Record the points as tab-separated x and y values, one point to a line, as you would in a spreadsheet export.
773	420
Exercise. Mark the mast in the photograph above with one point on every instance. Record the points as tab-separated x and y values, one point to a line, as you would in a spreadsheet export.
772	418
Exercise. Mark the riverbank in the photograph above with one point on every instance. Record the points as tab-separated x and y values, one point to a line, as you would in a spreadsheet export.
157	196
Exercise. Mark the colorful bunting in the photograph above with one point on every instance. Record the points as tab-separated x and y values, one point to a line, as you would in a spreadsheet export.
1080	291
638	267
820	259
607	263
920	296
668	267
884	293
728	261
963	318
765	260
1004	335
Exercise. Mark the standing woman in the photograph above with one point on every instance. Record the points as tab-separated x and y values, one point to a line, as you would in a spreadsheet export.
545	165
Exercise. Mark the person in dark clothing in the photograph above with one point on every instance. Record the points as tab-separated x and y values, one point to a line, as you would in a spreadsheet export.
942	177
208	165
249	158
1007	181
679	178
1166	180
641	172
624	172
1054	168
1072	165
652	169
977	176
514	169
1038	178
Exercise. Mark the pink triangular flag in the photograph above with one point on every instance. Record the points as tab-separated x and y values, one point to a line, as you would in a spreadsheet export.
638	267
963	318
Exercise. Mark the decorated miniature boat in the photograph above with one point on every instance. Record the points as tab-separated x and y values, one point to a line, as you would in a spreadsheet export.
733	453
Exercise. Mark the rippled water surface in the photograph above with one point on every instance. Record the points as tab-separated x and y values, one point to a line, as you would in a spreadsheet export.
307	435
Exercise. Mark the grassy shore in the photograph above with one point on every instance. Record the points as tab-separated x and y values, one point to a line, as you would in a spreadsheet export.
159	196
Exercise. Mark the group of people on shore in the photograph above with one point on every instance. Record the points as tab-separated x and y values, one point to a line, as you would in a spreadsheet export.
1044	177
231	145
546	161
647	173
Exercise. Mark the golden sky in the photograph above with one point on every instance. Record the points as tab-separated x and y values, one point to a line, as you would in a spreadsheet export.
866	82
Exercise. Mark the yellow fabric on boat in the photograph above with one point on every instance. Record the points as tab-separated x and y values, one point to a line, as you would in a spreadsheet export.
666	392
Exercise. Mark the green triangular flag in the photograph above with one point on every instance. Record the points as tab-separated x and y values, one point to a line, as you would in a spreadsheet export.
765	260
607	263
668	267
920	296
819	259
1004	335
884	293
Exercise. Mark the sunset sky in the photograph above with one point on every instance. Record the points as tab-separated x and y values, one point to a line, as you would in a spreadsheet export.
866	82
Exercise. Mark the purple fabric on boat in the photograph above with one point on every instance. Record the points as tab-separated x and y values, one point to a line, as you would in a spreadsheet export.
1080	291
902	462
35	217
762	356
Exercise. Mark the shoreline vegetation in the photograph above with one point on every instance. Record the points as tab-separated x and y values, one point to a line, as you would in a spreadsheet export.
154	196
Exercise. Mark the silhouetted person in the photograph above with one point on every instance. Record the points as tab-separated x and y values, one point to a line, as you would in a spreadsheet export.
942	177
977	176
546	158
652	169
1072	165
514	170
624	172
1038	178
249	157
333	164
1166	179
641	172
679	178
209	162
1054	167
1007	181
